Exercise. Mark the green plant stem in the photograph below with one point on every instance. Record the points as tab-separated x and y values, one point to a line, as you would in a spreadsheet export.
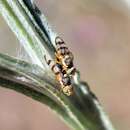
81	111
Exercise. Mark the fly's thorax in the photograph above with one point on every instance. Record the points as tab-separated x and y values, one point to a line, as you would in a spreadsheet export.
62	50
61	47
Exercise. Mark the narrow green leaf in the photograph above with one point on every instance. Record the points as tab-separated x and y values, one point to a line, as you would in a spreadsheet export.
28	91
82	111
23	28
12	69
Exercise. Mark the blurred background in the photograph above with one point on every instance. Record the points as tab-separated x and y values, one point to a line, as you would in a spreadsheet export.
97	31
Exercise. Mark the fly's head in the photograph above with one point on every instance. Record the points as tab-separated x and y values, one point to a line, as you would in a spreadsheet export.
68	90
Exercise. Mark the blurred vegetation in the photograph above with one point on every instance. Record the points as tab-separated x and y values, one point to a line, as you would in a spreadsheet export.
107	58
